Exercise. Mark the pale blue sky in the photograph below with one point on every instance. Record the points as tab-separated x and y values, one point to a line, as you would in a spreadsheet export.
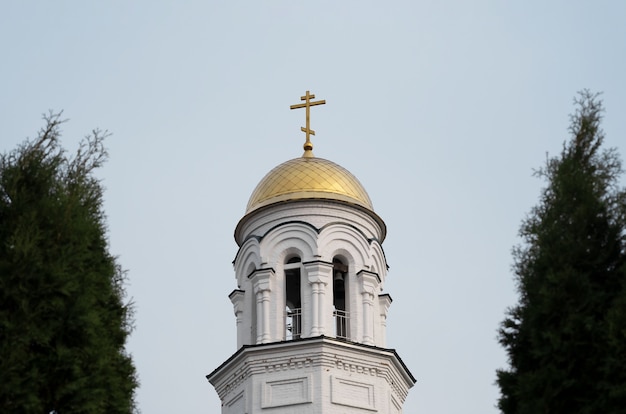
441	108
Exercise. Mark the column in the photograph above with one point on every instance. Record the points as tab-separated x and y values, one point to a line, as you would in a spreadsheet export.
368	321
319	274
384	302
261	281
237	299
369	283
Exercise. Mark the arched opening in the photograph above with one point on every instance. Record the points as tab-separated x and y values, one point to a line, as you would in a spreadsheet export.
293	299
340	312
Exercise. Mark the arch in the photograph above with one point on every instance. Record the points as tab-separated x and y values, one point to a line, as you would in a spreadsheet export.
247	260
341	297
378	262
289	238
343	223
279	246
341	239
293	296
289	255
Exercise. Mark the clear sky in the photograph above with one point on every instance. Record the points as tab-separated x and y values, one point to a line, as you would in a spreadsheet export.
442	109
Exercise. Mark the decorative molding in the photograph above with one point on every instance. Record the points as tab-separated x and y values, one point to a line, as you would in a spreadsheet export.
352	393
292	391
317	357
261	275
291	364
371	277
394	406
317	213
237	404
358	368
236	298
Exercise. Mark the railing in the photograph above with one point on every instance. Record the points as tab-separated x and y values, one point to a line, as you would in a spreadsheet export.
341	324
293	324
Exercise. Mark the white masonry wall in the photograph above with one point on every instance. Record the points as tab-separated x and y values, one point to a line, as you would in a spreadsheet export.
316	232
314	376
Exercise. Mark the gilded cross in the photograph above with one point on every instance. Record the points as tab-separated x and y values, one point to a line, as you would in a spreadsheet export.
308	146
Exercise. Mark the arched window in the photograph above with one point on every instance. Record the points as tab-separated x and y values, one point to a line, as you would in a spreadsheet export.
293	300
340	313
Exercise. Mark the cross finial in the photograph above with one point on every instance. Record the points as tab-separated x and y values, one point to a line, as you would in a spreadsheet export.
308	146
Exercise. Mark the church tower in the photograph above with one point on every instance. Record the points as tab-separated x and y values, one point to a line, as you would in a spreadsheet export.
309	306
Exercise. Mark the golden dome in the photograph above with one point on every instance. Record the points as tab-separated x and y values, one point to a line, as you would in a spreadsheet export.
308	177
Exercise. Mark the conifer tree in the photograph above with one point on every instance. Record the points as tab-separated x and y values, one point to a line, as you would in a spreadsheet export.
63	319
566	338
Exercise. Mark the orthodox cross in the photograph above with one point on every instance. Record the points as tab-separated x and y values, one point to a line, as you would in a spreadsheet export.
308	146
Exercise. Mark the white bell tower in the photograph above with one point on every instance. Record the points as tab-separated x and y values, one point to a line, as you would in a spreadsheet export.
309	306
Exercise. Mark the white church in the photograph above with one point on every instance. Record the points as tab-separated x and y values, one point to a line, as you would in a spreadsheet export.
309	304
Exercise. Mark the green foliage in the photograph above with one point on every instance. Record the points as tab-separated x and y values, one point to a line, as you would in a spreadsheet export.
566	338
63	323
